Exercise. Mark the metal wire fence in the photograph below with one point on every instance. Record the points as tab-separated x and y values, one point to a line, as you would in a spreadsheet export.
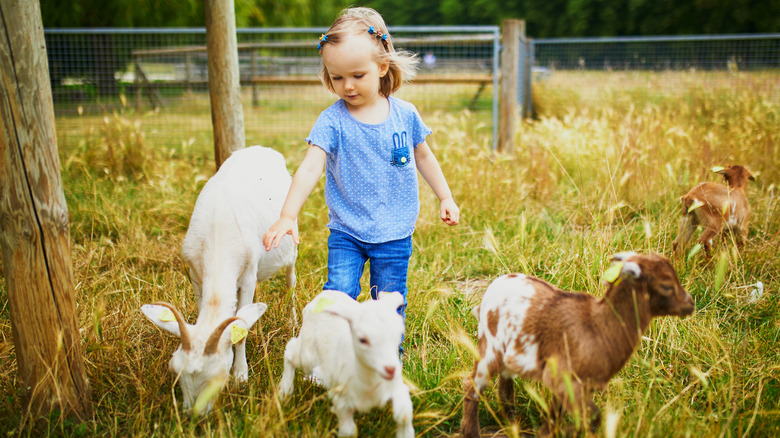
707	53
159	77
661	65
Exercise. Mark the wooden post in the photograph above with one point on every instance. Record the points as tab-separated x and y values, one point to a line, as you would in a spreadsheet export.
227	117
188	72
34	229
528	108
255	96
510	56
524	73
138	83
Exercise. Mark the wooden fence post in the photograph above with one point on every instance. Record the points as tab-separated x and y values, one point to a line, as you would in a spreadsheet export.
188	71
525	73
255	96
227	116
138	84
34	227
528	109
510	56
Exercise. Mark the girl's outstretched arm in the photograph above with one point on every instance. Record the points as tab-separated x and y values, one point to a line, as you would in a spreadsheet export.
429	168
306	177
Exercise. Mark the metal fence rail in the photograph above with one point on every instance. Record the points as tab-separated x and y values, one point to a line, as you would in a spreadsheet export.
162	74
710	52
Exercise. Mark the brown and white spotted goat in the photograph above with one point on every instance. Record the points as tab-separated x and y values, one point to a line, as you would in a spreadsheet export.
714	206
529	328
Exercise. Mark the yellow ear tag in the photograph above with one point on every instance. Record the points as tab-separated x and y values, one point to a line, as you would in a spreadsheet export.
322	304
166	316
237	334
612	273
695	205
717	169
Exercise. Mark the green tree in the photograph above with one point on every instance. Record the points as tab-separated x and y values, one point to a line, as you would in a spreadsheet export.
185	13
122	13
572	18
544	18
290	13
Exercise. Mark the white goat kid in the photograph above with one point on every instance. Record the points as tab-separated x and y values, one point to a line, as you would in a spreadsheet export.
352	348
226	258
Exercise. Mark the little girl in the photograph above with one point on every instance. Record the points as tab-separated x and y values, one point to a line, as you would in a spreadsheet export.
371	146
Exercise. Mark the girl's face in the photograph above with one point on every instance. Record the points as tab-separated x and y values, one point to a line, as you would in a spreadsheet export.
353	72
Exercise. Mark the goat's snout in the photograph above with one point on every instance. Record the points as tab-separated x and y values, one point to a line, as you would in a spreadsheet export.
687	305
389	372
691	306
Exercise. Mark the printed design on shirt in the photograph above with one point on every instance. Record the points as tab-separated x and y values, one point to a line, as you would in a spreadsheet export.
400	150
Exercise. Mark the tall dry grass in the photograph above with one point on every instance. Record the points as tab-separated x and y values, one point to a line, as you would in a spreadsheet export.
599	172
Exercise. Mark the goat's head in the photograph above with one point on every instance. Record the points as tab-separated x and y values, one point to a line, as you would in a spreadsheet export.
666	295
736	176
203	360
377	330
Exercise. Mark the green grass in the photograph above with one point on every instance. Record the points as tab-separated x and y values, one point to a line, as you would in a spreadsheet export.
599	172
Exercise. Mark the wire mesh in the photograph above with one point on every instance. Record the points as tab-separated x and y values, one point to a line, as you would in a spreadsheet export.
660	65
712	52
159	77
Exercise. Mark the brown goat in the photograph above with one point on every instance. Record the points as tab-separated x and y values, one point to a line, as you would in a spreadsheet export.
714	206
529	328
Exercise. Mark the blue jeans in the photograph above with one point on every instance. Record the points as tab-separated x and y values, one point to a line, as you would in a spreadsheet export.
389	263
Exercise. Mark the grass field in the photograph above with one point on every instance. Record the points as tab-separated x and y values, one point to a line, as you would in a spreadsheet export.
599	172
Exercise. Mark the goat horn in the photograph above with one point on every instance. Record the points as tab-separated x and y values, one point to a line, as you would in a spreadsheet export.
184	335
213	341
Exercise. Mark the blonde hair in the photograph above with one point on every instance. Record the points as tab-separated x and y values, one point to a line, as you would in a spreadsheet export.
357	21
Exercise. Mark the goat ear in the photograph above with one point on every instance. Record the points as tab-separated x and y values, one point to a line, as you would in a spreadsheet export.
234	329
250	313
619	257
392	299
631	269
345	309
162	317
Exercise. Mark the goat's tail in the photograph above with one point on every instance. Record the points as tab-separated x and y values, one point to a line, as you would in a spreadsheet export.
686	202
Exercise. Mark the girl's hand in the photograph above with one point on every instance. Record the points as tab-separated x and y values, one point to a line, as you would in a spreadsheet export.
278	230
449	211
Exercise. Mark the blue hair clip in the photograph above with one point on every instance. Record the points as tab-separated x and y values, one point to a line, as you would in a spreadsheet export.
382	36
323	39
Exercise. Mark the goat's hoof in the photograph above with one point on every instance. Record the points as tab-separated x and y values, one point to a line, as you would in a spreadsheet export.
511	413
241	377
347	429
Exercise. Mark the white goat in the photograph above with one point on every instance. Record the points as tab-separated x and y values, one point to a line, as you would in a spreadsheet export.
352	349
572	342
226	258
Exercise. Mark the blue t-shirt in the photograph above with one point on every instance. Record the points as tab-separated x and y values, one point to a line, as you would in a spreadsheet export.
370	172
